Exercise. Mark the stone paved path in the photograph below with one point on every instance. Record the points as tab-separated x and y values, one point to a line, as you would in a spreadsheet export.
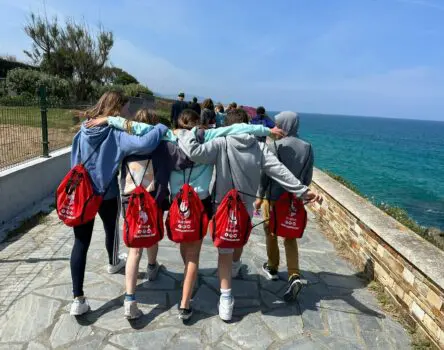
334	310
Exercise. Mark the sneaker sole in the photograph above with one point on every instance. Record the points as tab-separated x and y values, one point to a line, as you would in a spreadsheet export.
224	317
185	317
269	275
292	292
129	317
78	314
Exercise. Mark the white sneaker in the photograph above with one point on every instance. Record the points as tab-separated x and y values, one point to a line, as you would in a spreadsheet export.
131	310
235	268
151	273
226	308
119	266
78	307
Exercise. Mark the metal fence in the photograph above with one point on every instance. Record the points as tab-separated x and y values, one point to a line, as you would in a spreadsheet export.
34	129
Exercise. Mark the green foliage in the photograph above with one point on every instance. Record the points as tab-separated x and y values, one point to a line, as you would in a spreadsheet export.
71	51
117	76
25	99
28	81
343	181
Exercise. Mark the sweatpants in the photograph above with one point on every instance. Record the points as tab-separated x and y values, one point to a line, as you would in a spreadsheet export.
109	213
291	246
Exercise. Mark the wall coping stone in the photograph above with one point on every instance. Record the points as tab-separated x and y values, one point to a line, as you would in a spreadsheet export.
422	254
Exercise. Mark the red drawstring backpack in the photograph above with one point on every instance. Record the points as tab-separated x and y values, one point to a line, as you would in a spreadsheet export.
143	225
230	226
288	217
76	200
187	220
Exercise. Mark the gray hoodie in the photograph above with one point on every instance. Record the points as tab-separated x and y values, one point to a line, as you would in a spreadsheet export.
295	154
246	157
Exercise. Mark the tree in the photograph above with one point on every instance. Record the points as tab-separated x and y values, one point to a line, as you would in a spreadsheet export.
70	51
117	76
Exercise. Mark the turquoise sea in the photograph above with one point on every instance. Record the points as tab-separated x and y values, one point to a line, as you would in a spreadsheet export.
395	161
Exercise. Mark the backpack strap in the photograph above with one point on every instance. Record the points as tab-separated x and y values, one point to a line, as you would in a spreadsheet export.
189	175
228	161
143	175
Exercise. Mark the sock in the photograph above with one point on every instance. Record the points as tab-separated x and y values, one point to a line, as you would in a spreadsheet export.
225	293
130	297
152	266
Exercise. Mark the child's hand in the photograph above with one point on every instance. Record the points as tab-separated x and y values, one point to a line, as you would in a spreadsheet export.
278	133
96	122
310	197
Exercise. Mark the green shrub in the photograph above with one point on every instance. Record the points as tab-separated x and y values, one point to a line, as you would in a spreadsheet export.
21	81
24	99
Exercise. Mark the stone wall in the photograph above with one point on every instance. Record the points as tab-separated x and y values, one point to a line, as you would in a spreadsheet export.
410	268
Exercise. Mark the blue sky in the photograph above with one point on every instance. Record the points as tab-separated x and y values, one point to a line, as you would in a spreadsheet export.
360	57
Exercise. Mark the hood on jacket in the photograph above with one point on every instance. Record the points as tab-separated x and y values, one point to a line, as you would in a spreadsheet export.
289	122
95	135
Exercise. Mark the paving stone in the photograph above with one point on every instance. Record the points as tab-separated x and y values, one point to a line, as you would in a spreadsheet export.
251	333
206	300
368	323
27	318
285	322
66	330
36	346
377	341
163	282
92	342
187	340
396	333
148	297
225	344
341	324
110	347
311	319
58	292
114	321
303	343
11	346
271	300
214	328
337	280
157	339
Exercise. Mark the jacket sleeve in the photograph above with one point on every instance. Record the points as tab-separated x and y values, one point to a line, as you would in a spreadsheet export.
203	153
307	174
236	129
132	145
269	123
178	158
272	167
131	127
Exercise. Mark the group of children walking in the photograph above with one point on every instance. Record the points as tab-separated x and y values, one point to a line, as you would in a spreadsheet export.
148	154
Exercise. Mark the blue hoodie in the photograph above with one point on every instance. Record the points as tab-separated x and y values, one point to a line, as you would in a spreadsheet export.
115	145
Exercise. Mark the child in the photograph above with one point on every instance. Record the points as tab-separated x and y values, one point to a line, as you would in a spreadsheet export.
106	147
246	155
200	177
297	156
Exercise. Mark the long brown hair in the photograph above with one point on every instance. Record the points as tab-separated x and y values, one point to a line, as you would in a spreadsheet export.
208	103
110	104
188	119
148	116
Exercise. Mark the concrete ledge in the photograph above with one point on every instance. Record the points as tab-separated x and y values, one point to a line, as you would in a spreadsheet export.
28	188
411	268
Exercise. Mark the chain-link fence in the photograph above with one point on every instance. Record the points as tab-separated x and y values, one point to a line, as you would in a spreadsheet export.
33	128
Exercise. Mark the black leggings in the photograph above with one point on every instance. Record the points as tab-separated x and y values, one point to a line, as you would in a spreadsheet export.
109	213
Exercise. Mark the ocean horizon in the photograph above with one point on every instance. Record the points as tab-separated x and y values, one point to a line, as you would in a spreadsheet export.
390	160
